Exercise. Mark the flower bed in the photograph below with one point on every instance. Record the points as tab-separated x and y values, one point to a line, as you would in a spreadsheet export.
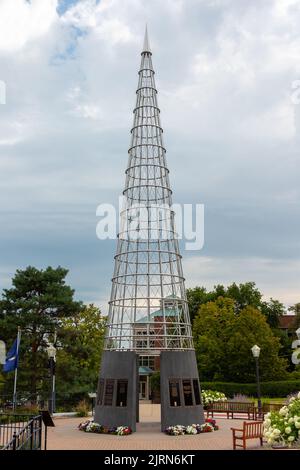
209	396
283	427
179	430
90	426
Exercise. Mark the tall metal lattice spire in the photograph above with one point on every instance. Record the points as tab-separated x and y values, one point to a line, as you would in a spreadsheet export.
148	309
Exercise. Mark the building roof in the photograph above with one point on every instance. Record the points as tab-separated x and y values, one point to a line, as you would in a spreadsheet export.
144	370
169	312
287	322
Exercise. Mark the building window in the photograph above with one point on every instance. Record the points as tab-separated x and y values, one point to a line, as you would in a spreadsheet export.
197	392
174	391
122	386
109	392
187	392
100	392
147	361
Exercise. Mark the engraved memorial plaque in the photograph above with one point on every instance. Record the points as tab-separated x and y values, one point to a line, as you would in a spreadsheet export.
174	393
109	392
122	393
187	392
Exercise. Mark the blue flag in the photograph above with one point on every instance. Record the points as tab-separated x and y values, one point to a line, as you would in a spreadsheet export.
12	358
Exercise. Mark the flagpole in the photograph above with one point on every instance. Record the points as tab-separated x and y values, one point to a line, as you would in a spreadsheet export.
16	370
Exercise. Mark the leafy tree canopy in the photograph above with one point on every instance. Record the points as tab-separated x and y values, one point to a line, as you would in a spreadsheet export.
223	342
79	351
243	295
36	302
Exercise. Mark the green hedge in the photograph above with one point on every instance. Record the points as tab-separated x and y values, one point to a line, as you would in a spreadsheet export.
268	389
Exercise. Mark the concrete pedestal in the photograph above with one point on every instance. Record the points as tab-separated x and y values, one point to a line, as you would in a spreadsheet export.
116	403
180	389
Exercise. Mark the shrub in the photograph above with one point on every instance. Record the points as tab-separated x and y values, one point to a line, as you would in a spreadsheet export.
268	389
283	426
155	381
208	396
82	409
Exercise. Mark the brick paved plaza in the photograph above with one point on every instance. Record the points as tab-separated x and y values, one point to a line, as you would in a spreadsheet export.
65	436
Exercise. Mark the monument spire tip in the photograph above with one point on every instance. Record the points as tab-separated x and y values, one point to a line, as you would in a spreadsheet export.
146	46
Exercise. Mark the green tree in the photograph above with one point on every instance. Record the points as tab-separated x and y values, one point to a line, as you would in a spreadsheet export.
37	301
79	353
243	295
196	297
296	309
211	329
223	341
272	310
251	327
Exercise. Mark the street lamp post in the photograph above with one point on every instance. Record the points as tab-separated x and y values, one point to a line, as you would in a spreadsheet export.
93	396
256	352
296	346
51	350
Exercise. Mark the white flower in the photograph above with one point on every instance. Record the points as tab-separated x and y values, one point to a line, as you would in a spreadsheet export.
276	432
191	430
288	430
283	411
297	424
298	396
291	438
291	420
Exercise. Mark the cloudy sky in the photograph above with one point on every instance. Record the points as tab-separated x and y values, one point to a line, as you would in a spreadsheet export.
226	71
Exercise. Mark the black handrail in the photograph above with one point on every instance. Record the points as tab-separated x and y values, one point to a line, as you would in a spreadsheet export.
21	432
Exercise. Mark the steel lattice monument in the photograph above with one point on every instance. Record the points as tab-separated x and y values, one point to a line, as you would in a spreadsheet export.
148	311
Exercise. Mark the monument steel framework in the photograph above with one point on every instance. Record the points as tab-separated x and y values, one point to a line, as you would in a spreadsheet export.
148	309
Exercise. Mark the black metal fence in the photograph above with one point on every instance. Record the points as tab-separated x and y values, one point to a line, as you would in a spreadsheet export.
31	403
24	401
20	431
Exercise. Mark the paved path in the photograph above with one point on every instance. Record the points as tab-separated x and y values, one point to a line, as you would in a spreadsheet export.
66	436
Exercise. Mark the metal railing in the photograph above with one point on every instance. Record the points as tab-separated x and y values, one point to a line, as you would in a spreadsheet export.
32	403
23	400
20	432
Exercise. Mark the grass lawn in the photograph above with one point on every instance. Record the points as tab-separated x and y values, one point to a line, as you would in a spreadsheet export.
271	400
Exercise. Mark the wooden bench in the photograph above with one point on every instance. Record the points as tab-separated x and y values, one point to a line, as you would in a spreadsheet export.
252	430
231	407
266	408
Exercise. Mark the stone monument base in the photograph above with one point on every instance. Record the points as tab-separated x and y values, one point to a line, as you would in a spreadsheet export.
180	389
117	394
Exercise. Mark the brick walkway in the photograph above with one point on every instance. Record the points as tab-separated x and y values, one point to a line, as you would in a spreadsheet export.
65	436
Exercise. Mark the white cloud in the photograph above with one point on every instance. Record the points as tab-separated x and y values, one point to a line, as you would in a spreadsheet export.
224	72
22	21
277	278
102	19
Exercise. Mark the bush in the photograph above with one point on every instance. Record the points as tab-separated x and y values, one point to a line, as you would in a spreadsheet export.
282	427
155	381
82	409
208	396
268	389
